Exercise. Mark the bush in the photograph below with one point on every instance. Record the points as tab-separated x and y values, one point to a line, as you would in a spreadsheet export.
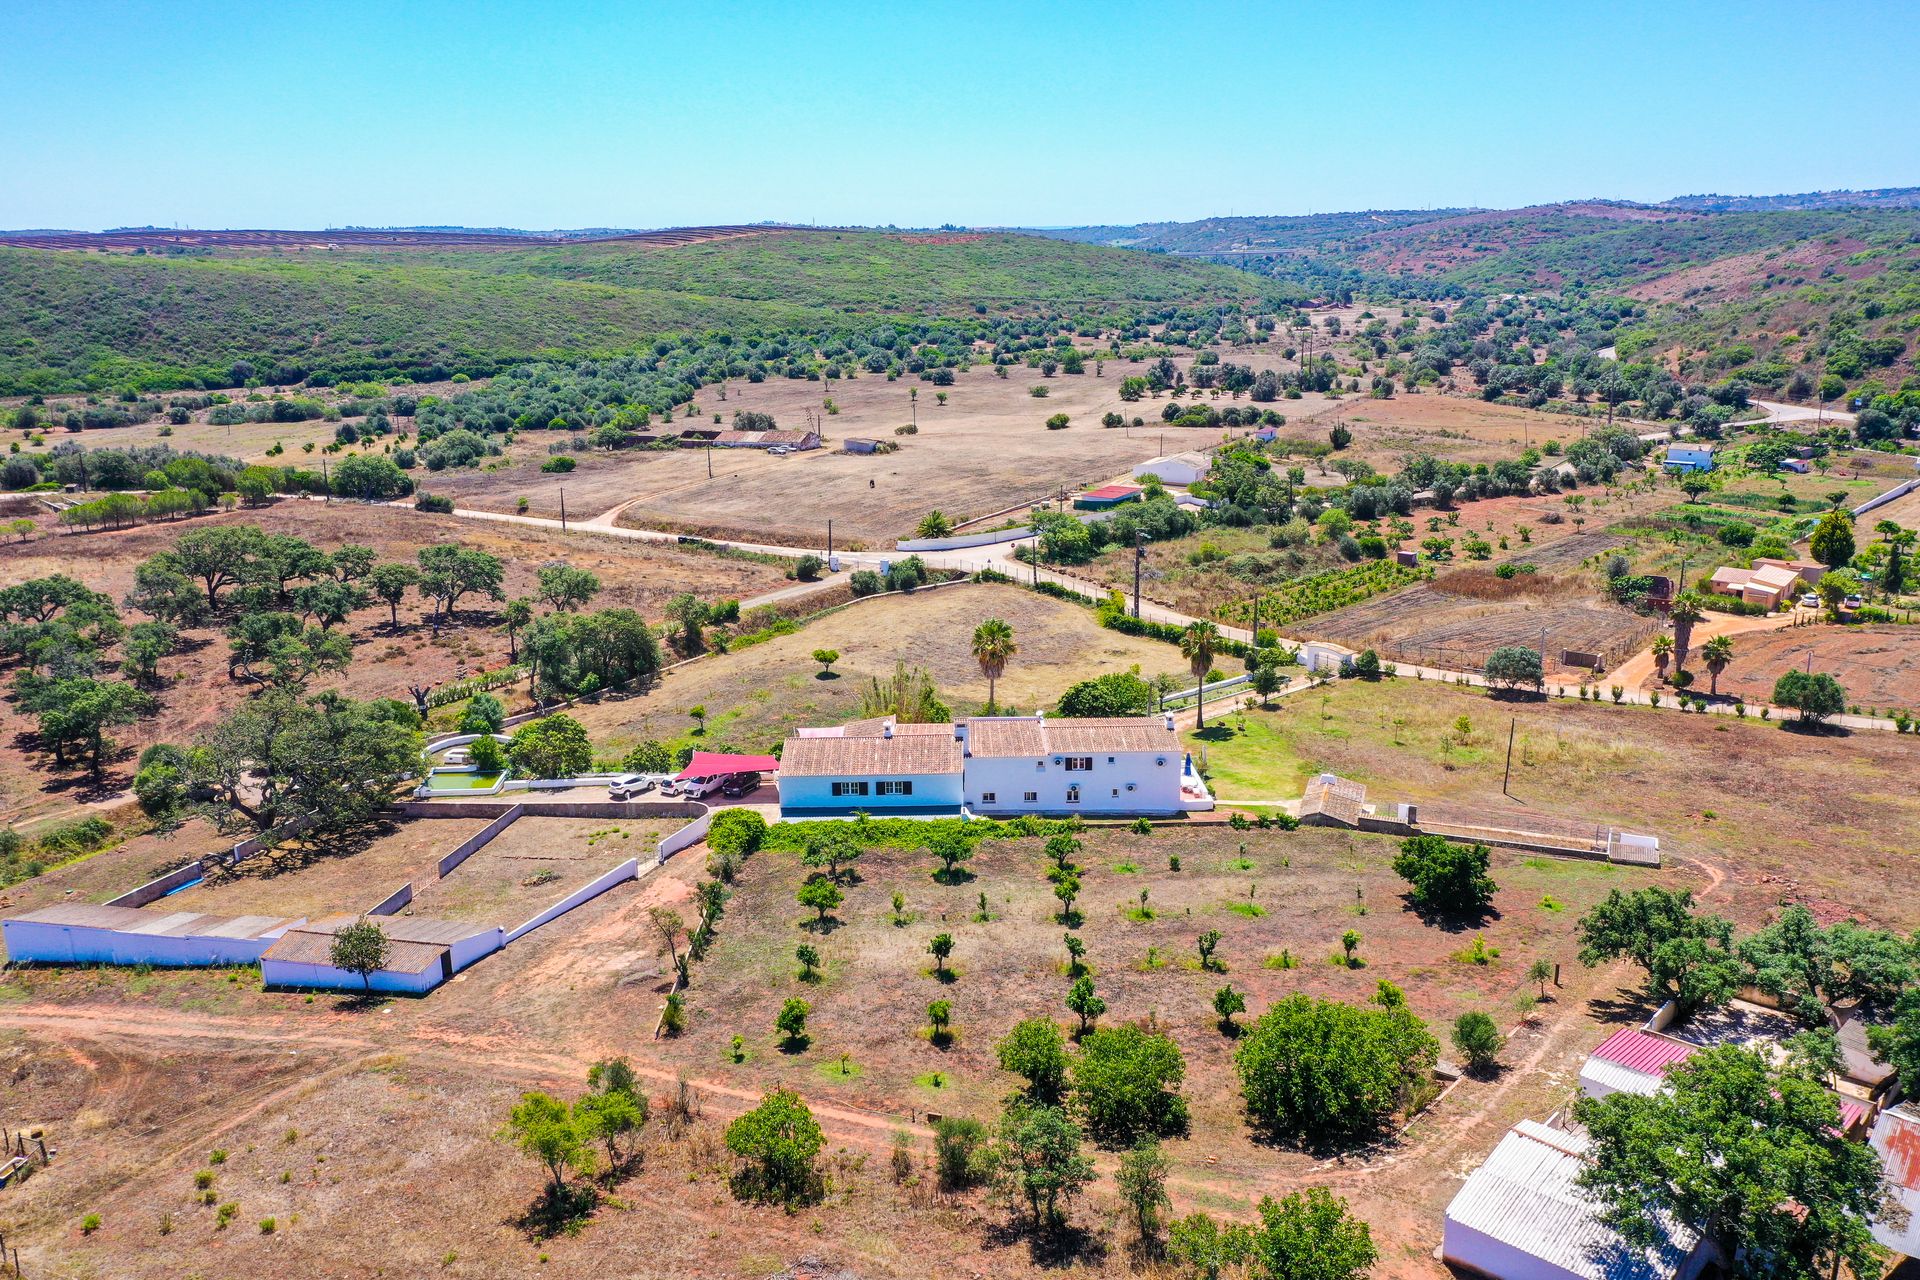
1323	1071
959	1152
736	832
778	1141
865	582
1513	665
1450	879
1126	1086
809	567
428	502
1475	1036
560	464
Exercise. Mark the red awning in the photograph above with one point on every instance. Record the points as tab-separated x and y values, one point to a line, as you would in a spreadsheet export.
707	764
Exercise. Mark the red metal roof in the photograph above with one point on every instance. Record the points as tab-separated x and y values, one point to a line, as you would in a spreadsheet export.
1643	1052
1112	491
705	764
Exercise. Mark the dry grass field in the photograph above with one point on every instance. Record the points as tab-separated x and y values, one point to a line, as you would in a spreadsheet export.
986	449
756	696
531	864
1879	666
1453	428
368	1134
637	575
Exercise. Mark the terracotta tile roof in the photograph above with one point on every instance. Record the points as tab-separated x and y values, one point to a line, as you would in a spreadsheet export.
868	755
996	737
1331	796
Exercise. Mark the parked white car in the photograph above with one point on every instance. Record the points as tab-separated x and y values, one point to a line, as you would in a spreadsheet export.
1810	601
695	788
629	785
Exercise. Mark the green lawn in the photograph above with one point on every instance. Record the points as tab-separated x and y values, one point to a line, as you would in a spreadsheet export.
1249	755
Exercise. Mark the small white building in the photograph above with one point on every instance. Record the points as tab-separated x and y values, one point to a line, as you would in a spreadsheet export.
994	766
421	954
1175	468
1523	1216
82	933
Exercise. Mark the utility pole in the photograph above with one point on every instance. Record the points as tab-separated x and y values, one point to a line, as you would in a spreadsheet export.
325	483
1256	622
1036	554
1139	558
709	462
829	537
1511	725
563	508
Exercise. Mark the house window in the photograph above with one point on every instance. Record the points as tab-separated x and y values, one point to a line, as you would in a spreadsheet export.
899	788
986	797
1116	792
1079	764
849	788
1033	797
1073	794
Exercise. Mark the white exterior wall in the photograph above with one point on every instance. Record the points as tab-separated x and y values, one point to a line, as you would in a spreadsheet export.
1154	776
930	790
1169	471
30	941
280	973
1476	1251
467	950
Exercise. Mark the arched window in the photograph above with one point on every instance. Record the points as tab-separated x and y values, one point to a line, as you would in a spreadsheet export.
1073	794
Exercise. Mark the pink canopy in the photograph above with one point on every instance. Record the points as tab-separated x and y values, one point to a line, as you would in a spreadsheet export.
707	764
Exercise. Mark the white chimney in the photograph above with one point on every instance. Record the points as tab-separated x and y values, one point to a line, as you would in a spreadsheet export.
886	729
1169	718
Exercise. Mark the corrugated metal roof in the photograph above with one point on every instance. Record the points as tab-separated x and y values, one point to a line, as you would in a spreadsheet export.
1113	491
1527	1197
868	756
1598	1078
1643	1051
1857	1062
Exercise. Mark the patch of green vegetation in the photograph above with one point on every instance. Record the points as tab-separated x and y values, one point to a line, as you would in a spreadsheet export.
838	1070
1250	756
1251	910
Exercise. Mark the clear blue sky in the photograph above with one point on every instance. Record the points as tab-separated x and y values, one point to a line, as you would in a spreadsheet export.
218	114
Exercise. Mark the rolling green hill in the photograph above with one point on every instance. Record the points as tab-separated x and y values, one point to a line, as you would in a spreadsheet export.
80	321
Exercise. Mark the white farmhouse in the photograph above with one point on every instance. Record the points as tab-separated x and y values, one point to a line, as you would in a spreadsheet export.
994	766
1175	469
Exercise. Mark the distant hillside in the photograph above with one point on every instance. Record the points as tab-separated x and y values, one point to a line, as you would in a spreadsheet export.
81	320
1776	290
1878	198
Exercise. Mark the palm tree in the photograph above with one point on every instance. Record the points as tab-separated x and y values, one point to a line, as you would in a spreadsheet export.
1662	653
1685	612
993	645
1717	653
1198	644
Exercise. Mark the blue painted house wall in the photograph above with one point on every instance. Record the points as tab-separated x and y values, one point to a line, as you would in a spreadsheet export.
815	794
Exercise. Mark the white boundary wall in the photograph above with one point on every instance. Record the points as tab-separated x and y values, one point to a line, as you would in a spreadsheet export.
628	870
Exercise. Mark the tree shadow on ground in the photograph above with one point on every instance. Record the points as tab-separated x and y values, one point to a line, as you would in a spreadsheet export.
957	876
1056	1248
792	1046
815	925
558	1210
1451	921
1625	1005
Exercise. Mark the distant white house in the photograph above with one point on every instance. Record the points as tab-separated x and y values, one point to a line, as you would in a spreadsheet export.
1524	1216
1175	468
1689	457
993	766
